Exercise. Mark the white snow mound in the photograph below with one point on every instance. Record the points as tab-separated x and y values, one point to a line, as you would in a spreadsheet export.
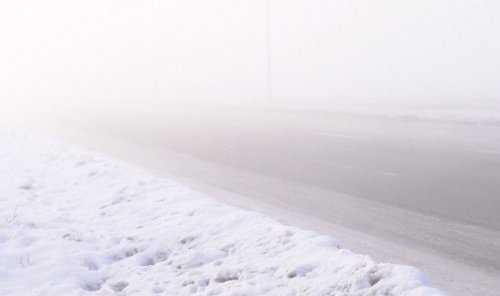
73	222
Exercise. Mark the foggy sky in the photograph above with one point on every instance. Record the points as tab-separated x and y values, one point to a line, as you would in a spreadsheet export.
130	52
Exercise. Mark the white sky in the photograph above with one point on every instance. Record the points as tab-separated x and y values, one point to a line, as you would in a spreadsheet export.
337	51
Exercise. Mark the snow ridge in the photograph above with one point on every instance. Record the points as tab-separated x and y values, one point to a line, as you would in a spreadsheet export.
73	222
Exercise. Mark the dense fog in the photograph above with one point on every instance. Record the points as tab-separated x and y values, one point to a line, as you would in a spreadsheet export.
78	55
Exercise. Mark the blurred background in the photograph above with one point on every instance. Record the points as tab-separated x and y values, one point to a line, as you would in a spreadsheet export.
375	121
88	56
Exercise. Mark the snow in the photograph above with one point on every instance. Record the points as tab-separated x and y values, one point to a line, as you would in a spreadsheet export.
74	222
463	114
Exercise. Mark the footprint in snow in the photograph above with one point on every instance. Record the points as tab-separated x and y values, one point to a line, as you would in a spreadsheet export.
93	283
28	185
123	253
150	258
118	286
226	275
27	240
203	257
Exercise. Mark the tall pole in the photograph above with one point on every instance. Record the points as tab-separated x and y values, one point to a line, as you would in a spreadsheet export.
268	52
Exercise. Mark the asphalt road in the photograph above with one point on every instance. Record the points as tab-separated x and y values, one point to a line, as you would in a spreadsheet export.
425	193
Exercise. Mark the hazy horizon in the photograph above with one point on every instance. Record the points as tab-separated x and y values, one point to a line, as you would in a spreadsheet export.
111	53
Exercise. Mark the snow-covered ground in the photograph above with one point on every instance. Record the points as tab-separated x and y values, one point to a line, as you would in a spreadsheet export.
74	222
464	114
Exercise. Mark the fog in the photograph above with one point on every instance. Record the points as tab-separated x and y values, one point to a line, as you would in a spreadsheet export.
104	55
343	116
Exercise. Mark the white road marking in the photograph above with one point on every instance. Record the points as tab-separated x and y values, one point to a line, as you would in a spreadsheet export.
385	173
487	151
342	136
390	174
229	146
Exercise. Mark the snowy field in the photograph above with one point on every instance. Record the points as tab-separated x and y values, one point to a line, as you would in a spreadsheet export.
73	222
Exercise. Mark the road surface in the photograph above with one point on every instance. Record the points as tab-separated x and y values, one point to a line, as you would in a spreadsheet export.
424	193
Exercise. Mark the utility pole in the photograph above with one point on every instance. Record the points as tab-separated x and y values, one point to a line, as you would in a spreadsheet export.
268	52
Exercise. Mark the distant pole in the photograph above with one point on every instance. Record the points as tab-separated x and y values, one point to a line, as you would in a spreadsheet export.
268	52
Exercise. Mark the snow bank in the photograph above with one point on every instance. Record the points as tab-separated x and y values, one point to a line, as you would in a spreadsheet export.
486	115
75	223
